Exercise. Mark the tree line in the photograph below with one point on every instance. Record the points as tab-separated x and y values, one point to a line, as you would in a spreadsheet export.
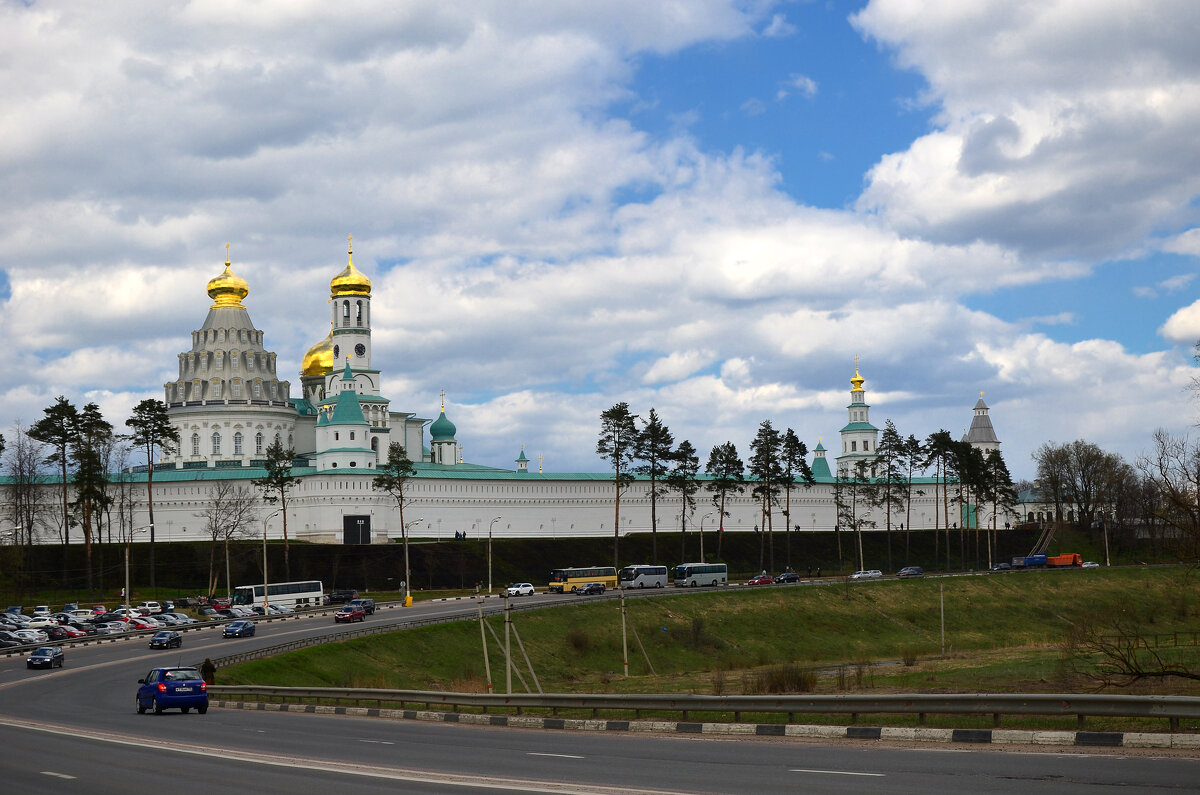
778	464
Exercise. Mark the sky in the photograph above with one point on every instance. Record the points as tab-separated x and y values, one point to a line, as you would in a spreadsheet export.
706	207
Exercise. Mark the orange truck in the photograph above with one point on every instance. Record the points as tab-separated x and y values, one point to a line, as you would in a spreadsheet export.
1066	559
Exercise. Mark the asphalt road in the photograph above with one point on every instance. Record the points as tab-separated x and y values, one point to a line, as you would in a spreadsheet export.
75	730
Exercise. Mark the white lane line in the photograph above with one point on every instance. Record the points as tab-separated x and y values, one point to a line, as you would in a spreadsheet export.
835	772
340	767
558	756
377	742
56	775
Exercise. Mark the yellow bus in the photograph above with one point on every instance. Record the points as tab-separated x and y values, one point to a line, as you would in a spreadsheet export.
562	580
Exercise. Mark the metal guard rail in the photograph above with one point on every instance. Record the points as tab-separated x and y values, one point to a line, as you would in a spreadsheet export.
1054	704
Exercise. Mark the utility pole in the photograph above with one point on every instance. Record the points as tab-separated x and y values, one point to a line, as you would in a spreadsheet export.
483	637
507	647
624	641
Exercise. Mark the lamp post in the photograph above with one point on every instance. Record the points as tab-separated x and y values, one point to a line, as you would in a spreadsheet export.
407	576
128	540
702	518
266	519
490	526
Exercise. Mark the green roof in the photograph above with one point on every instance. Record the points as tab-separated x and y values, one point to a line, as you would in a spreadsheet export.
859	426
347	411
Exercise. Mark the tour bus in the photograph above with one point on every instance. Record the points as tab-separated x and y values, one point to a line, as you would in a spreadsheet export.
308	593
689	575
570	579
642	577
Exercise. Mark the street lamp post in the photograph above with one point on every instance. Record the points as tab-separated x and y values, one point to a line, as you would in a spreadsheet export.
128	540
702	518
490	526
266	519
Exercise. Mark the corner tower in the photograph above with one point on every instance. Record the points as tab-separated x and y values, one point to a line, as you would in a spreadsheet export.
981	435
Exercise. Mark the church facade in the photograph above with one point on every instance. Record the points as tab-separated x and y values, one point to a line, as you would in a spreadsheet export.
229	405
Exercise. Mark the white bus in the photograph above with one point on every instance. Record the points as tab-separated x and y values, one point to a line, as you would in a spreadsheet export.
689	575
307	593
642	577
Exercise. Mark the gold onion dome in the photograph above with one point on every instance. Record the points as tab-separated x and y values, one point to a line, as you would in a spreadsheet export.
857	380
228	289
319	359
350	281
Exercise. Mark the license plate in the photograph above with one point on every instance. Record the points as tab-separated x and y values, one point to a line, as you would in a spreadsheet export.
183	690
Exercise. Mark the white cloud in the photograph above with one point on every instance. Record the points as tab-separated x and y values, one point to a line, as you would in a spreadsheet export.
801	84
1183	326
1064	129
778	27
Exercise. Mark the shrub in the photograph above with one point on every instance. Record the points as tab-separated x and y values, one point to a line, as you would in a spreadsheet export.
785	678
579	640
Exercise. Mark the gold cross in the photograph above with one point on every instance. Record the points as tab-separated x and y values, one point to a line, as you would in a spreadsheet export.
349	244
226	253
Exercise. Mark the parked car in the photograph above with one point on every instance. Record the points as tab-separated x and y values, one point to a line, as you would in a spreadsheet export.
590	588
520	589
787	576
1002	567
144	622
207	611
239	629
1090	564
911	571
10	638
69	606
166	639
350	612
167	688
42	622
41	610
57	632
31	636
761	579
46	657
98	610
14	609
866	574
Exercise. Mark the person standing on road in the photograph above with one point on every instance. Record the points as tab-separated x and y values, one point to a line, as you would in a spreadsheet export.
208	671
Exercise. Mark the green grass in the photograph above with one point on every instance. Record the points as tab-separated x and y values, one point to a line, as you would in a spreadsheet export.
1002	634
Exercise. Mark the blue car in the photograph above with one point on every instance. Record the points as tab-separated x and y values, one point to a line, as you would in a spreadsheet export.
168	688
239	629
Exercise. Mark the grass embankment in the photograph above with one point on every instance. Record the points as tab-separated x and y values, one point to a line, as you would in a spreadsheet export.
1003	633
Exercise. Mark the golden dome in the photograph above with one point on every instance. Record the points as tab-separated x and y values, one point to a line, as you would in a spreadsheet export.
319	359
857	381
228	289
350	281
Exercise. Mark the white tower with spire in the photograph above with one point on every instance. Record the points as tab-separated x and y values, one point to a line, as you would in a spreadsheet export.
859	437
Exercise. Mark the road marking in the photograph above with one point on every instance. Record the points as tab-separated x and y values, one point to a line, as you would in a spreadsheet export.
835	772
559	756
56	775
377	742
442	779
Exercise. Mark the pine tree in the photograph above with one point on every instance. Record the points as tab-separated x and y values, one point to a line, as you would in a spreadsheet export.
617	445
765	466
682	478
793	455
654	449
152	428
276	485
726	469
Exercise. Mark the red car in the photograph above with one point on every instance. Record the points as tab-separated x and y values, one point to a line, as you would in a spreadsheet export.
350	613
761	579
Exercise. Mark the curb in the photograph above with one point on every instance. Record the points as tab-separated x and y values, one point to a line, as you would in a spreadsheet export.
967	736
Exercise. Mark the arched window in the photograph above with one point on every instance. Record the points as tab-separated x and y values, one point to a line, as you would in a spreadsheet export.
216	443
195	444
258	441
216	389
358	313
854	447
345	313
237	443
866	445
278	439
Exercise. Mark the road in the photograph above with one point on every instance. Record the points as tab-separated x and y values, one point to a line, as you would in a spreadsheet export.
75	730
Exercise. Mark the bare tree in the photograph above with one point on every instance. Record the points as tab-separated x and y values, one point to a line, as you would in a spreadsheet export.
231	509
1117	655
22	464
1172	472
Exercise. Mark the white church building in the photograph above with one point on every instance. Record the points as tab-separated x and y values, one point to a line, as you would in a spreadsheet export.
229	405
